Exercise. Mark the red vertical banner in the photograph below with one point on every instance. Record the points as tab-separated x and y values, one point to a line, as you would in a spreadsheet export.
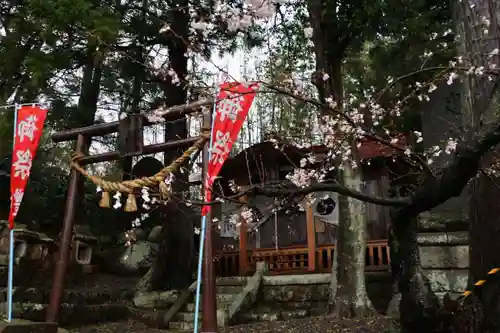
231	109
28	131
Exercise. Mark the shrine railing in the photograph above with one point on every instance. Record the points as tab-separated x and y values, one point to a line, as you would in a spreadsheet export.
294	259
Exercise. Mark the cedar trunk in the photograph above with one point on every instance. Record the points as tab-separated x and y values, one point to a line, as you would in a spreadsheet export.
477	41
419	307
348	295
175	263
177	245
350	298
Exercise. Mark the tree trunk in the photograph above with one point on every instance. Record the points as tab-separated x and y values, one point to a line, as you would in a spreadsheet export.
396	272
175	263
87	108
419	307
348	296
173	268
477	42
351	299
329	50
484	251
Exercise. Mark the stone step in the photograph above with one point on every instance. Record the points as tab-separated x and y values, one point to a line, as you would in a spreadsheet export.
152	318
190	307
224	298
233	290
221	298
181	326
230	289
266	306
37	295
155	299
232	281
256	315
186	316
70	313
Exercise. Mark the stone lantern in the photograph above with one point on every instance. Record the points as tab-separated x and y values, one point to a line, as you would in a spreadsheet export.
33	251
82	246
28	244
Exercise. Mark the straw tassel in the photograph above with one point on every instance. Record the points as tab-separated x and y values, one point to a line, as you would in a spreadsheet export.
164	190
131	204
105	200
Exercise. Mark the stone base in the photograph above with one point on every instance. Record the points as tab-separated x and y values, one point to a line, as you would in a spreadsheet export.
89	269
24	326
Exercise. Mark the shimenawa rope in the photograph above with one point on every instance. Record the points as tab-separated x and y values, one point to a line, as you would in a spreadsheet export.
128	186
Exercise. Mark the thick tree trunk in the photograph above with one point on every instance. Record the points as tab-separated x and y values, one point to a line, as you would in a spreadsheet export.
396	272
484	251
350	298
174	266
419	307
329	50
87	108
477	42
348	295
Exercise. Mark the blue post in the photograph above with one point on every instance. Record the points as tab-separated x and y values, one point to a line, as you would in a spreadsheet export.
198	281
11	276
11	244
202	243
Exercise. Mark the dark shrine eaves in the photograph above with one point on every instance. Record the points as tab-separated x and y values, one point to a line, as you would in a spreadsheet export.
264	155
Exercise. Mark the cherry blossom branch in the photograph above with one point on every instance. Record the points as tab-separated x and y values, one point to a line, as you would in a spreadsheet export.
452	179
449	182
441	69
369	133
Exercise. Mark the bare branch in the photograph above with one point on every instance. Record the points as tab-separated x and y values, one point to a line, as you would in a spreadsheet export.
331	187
282	191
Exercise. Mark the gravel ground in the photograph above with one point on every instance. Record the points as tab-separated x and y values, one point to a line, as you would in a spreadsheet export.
320	324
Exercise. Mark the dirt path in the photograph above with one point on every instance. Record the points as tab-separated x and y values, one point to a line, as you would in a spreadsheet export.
308	325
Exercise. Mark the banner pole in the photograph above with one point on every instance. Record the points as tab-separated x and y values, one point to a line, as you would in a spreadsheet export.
11	276
202	233
11	242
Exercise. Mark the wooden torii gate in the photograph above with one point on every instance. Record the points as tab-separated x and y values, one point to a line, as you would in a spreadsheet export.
131	143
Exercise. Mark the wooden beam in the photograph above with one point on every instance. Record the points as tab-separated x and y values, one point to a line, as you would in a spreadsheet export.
150	149
311	239
174	113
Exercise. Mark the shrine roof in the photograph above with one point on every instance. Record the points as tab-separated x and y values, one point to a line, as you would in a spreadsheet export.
265	155
268	153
